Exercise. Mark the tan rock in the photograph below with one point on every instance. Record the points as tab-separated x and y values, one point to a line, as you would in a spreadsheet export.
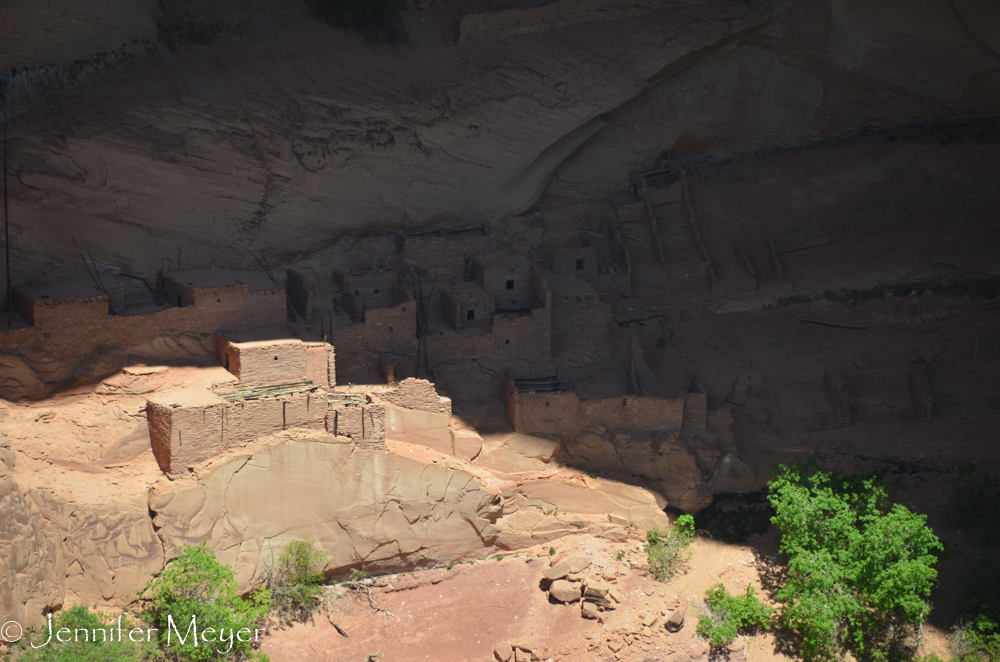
595	588
563	591
589	610
701	650
503	652
32	565
556	572
616	595
334	494
578	563
675	621
649	620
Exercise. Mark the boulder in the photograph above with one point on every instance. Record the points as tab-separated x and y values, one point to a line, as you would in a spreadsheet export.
556	572
589	610
676	620
503	652
563	591
596	588
577	563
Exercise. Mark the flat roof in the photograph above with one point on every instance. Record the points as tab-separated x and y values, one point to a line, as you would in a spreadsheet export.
186	397
72	288
212	278
267	335
467	291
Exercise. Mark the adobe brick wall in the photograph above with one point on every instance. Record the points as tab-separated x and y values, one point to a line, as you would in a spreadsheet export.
458	300
565	414
363	422
546	413
635	412
567	261
493	279
185	428
74	329
527	337
192	426
418	394
465	348
392	330
56	313
321	364
267	362
364	292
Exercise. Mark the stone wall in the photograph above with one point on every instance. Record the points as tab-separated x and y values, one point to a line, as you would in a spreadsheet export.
392	330
188	427
282	360
72	328
580	261
363	420
458	301
321	364
417	394
508	280
565	414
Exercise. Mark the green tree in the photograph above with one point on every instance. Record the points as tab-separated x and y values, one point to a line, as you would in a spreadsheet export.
666	550
196	605
92	638
296	584
731	615
859	568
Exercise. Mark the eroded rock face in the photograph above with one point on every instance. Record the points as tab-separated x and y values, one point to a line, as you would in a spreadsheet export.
457	134
32	565
659	457
110	549
362	507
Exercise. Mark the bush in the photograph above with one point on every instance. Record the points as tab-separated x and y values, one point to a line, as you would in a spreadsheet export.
296	585
96	641
977	637
731	615
859	569
667	550
196	606
378	21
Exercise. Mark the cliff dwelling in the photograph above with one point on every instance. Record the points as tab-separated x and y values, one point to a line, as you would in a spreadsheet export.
476	300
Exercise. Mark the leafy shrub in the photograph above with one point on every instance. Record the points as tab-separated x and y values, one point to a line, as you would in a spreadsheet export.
296	585
378	21
859	569
666	550
732	615
196	591
96	640
977	638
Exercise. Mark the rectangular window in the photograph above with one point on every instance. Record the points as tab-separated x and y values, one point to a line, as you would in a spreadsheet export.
579	265
471	315
510	284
